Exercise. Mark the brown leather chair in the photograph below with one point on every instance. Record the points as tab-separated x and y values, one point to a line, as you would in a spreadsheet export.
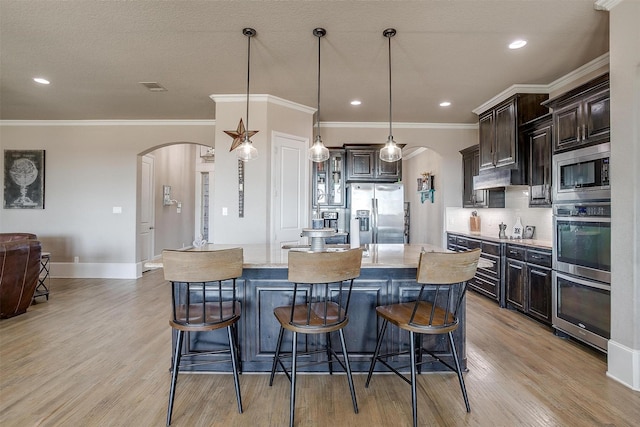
19	270
10	237
443	281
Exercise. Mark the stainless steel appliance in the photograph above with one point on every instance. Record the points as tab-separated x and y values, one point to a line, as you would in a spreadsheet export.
379	209
582	174
582	241
582	271
330	219
582	309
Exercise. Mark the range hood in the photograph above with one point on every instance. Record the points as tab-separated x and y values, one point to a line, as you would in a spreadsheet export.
497	178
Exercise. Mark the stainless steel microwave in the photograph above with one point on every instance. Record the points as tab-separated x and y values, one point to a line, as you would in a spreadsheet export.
582	174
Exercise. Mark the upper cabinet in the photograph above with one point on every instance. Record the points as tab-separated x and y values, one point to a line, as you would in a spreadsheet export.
500	145
538	136
328	181
477	198
364	165
581	116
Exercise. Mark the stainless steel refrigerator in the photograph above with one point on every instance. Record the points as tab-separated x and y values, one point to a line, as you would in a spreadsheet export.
379	209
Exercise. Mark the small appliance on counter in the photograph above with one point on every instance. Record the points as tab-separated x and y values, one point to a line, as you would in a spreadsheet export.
502	234
474	223
330	220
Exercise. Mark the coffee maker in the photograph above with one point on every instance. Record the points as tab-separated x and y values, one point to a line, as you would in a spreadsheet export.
330	219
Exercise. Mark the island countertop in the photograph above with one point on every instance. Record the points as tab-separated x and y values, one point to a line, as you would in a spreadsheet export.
378	255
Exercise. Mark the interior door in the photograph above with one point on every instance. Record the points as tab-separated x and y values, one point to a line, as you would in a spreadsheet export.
289	189
146	231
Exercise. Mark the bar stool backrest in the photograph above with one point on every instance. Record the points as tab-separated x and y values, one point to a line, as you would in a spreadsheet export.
323	308
203	286
444	277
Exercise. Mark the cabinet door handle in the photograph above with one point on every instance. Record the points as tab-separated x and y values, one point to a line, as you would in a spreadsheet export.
578	133
584	132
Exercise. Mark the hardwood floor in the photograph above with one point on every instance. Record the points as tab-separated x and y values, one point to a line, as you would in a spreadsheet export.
98	352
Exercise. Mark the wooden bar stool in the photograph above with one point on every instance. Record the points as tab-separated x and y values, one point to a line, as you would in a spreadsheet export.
325	279
204	298
443	277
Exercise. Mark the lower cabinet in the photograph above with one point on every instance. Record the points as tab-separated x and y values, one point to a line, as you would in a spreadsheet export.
528	281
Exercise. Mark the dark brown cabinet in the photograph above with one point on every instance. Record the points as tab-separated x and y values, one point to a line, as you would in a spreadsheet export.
538	137
581	117
364	165
477	198
499	142
528	281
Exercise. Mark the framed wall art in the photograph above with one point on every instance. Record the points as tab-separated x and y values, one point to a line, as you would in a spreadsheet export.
24	179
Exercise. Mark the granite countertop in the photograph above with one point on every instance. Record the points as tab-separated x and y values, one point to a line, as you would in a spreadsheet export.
378	255
535	243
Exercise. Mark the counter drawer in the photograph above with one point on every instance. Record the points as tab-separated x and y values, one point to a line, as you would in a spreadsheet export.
516	252
451	239
491	248
494	270
474	244
487	287
542	258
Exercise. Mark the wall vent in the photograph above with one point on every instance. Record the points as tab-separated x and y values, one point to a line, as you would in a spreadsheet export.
154	86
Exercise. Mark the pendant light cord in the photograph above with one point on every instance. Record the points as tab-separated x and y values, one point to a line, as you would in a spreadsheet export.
389	38
249	35
318	113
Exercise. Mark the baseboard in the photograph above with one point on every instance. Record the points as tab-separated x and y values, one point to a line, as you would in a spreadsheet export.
624	365
87	270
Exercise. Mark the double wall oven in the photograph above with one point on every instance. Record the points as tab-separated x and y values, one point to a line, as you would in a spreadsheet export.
582	245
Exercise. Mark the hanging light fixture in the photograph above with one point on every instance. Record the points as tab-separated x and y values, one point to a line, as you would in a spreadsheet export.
318	152
246	150
390	152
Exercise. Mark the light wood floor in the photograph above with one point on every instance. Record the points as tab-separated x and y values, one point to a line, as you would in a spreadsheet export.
98	352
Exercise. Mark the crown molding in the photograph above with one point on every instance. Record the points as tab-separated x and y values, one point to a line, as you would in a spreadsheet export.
107	122
563	81
398	125
263	98
606	4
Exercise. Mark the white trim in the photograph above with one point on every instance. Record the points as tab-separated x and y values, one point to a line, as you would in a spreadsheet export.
577	74
87	270
413	153
563	81
263	98
606	4
107	122
623	365
399	125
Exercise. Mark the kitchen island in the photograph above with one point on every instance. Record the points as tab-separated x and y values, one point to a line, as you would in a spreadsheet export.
388	275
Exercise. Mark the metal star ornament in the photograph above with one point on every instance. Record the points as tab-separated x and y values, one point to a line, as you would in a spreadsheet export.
238	135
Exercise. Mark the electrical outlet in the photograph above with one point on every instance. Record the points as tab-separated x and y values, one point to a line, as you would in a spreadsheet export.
76	259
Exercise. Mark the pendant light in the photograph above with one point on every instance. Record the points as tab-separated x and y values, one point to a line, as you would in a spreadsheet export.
246	150
318	152
390	152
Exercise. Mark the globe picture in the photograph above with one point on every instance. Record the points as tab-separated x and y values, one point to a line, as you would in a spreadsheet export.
23	172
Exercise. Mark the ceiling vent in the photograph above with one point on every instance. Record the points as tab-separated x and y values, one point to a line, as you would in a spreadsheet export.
153	86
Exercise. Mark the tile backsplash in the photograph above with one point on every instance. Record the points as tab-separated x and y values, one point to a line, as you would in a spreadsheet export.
516	205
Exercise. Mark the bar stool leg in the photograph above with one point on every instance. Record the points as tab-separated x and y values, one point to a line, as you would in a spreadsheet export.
414	394
234	363
377	351
348	367
458	371
294	357
174	374
329	353
276	356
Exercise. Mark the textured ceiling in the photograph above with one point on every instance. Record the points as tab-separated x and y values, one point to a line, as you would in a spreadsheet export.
96	52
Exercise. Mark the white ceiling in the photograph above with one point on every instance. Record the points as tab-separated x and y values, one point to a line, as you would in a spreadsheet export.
96	52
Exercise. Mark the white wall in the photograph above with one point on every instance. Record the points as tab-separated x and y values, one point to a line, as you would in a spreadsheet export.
90	168
624	346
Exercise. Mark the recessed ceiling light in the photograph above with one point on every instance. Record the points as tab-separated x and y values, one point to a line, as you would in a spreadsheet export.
517	44
356	102
445	104
41	80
